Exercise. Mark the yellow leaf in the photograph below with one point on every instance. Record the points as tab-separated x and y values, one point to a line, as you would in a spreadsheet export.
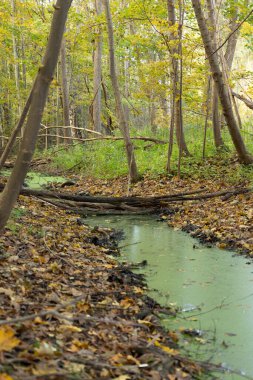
78	345
126	303
7	339
169	350
70	328
4	376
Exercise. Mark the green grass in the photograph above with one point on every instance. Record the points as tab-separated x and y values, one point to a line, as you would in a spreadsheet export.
107	159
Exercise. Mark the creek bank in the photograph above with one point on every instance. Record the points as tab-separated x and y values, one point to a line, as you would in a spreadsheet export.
226	223
75	311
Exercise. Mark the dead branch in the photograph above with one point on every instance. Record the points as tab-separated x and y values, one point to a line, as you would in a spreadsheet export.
247	102
112	138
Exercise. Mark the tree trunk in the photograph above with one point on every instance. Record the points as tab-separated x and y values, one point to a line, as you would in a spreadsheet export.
96	110
133	173
65	93
15	57
232	42
44	77
216	120
175	77
221	85
16	131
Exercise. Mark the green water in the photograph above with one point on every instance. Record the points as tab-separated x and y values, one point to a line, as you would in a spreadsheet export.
37	180
217	284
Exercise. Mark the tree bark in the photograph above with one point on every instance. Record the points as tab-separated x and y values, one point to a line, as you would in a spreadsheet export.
41	86
176	97
15	57
175	77
216	120
65	92
246	101
133	173
221	85
96	110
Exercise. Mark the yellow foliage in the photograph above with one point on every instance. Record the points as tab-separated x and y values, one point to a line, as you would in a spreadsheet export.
7	339
246	29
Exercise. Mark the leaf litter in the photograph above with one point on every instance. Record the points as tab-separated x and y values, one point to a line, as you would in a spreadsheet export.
69	310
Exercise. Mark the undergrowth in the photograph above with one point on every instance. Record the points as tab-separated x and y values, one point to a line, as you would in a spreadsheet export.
107	159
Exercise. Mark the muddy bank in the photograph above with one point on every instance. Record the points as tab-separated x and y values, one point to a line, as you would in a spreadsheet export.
69	310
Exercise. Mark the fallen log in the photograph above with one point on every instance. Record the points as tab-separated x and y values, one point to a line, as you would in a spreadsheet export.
85	204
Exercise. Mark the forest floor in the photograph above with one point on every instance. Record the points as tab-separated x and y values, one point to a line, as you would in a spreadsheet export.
71	311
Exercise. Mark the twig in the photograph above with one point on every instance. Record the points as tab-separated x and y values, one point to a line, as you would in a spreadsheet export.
42	313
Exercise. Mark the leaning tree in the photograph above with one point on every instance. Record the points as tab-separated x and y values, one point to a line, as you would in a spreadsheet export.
38	101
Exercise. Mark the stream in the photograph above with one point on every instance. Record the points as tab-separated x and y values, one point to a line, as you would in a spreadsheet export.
212	289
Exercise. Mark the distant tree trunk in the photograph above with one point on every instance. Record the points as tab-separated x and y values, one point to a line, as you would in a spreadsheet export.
152	113
216	120
127	91
44	77
96	109
133	173
16	130
15	56
221	85
232	42
65	94
176	98
109	123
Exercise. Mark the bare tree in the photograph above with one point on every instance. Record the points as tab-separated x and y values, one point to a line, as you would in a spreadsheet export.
39	96
96	109
222	86
216	120
65	93
133	173
176	79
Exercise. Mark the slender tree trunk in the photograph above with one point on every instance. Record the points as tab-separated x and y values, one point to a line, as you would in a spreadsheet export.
96	109
207	107
15	56
41	86
175	77
109	124
232	42
127	90
24	80
216	120
16	131
221	85
65	94
133	173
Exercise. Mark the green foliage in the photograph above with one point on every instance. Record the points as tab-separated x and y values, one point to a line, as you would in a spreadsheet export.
107	159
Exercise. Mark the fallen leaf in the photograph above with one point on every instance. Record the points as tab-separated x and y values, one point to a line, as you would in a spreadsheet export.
4	376
7	339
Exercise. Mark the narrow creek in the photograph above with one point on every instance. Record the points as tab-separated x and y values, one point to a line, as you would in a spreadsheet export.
212	288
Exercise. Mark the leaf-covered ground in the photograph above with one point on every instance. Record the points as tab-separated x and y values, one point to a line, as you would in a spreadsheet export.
69	310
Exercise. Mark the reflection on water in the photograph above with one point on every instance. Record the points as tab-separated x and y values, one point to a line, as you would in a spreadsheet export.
213	282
